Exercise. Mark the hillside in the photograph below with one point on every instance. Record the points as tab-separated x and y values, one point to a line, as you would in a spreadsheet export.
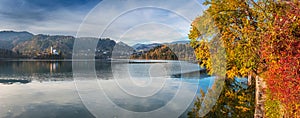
5	54
9	39
145	47
122	51
167	52
25	44
107	48
41	44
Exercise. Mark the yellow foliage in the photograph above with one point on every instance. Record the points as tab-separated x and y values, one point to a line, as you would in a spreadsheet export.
243	109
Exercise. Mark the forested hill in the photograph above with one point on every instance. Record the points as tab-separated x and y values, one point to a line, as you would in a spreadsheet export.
41	44
5	53
24	44
9	39
167	52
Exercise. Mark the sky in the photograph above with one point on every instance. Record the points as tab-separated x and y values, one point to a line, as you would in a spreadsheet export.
129	21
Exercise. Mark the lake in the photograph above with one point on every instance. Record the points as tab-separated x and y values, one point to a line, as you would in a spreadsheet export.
83	89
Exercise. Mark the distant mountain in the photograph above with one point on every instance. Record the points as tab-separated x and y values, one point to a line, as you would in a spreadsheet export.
9	39
145	47
104	48
180	42
122	51
41	45
111	49
24	44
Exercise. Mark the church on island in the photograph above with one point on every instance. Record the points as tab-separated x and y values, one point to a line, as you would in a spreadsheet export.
53	51
49	54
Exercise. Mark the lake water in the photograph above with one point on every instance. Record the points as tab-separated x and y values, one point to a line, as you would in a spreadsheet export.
84	89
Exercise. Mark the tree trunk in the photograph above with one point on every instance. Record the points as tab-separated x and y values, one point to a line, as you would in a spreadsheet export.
249	79
259	98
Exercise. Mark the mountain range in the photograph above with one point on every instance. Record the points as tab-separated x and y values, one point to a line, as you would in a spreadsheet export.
147	47
27	45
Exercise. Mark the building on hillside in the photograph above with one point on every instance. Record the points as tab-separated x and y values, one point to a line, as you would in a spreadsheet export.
53	51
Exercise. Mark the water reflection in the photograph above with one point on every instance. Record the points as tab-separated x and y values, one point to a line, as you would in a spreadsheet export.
43	71
236	100
53	67
46	89
41	100
33	67
52	110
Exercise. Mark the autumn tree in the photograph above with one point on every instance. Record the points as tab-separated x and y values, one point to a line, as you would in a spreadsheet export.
260	38
281	51
235	24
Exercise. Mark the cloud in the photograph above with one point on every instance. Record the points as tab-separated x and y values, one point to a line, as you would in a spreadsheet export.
44	16
150	33
65	17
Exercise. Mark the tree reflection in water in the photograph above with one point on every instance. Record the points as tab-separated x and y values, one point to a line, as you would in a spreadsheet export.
237	99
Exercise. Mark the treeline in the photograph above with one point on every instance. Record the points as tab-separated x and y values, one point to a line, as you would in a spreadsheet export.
50	56
4	53
167	52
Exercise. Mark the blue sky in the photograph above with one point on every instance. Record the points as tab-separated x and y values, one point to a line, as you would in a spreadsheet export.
65	17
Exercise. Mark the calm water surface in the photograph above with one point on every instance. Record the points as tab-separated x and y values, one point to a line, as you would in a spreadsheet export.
46	89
